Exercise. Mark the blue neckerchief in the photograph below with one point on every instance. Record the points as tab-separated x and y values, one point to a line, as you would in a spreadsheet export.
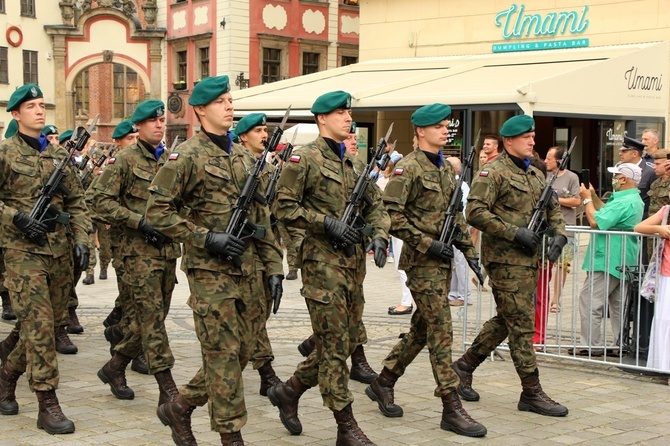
526	163
343	150
158	151
230	135
43	142
440	159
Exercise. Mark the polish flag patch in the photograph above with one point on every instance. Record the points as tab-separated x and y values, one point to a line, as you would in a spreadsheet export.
173	156
111	161
398	171
484	173
295	158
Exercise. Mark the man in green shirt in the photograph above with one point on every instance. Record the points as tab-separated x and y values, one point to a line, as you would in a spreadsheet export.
607	252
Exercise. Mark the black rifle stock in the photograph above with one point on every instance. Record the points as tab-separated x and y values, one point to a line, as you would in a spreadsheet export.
353	213
239	224
43	210
538	223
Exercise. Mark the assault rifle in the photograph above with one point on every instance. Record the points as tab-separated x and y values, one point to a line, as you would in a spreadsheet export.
538	223
383	163
43	210
239	224
353	212
283	158
99	162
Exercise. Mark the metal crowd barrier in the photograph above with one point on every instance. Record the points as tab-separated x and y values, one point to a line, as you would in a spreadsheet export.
574	332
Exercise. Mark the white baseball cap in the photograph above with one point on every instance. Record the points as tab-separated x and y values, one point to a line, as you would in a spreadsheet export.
628	170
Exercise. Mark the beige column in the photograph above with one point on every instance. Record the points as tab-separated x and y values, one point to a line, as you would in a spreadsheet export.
62	100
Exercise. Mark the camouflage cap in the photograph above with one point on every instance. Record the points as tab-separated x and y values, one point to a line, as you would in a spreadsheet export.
151	108
22	94
430	114
12	128
67	134
209	89
50	130
249	122
661	154
517	125
329	102
122	129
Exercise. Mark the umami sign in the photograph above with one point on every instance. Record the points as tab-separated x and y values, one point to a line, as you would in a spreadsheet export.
516	24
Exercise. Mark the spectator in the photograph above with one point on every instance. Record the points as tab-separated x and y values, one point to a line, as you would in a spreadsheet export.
650	139
491	147
602	290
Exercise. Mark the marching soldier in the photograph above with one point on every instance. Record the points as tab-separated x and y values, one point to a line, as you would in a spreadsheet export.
38	277
312	195
51	132
417	197
119	197
500	205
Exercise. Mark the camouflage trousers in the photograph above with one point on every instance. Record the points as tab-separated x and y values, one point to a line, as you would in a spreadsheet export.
124	299
38	287
92	260
335	302
431	325
150	282
228	314
105	242
513	288
263	351
73	299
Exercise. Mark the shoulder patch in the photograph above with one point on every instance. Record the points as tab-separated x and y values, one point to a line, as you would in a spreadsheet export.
111	161
295	158
484	173
651	164
173	156
398	171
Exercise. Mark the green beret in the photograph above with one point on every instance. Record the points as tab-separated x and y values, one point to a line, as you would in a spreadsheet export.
12	128
151	108
122	129
352	129
50	130
209	89
22	94
430	114
66	135
249	122
329	102
234	137
516	125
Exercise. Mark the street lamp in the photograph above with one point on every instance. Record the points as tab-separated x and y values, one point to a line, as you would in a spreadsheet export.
241	82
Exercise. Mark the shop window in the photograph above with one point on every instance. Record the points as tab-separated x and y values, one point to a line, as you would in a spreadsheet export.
4	66
81	94
126	94
271	65
27	8
30	67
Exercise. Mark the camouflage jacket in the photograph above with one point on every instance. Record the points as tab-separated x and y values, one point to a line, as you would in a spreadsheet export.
195	192
417	197
658	194
119	197
500	202
23	173
314	184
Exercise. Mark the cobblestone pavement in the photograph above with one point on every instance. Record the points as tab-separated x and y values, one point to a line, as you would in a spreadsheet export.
607	406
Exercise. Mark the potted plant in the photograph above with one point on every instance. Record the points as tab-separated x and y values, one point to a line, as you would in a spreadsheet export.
179	85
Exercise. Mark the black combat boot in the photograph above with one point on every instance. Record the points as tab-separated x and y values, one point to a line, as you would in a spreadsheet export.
464	368
74	327
306	346
114	374
140	364
103	273
113	318
268	378
177	415
89	279
63	343
533	398
381	391
166	387
232	439
285	397
7	310
51	417
456	419
360	369
114	335
8	344
8	379
348	431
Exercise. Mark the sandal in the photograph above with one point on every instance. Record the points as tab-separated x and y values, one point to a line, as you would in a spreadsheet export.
555	308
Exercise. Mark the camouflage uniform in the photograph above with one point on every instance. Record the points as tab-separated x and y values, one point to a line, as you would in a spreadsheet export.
417	197
228	310
291	238
313	185
501	200
119	197
38	279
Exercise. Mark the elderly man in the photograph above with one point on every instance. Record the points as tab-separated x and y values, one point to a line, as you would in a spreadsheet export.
604	254
650	139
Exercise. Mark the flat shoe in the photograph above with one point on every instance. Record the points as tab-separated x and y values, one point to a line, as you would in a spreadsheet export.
456	303
395	311
555	308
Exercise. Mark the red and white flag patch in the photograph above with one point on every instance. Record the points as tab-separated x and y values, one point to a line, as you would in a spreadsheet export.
295	158
398	171
111	161
173	156
484	173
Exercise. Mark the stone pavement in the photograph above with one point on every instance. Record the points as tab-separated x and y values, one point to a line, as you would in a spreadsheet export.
607	406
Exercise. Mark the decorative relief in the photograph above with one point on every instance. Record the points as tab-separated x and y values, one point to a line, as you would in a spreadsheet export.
313	21
275	17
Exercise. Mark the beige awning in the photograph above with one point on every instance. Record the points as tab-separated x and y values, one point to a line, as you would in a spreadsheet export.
579	81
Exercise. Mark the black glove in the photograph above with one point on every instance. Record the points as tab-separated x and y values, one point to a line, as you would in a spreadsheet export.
528	239
81	256
341	231
378	246
276	291
224	244
31	227
474	266
556	247
441	251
